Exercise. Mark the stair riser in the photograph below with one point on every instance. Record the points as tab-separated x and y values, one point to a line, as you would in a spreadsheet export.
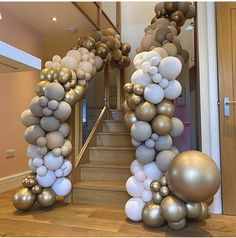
113	140
109	174
111	155
114	127
116	116
88	196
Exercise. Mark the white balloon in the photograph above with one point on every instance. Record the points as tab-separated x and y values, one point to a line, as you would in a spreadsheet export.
140	77
156	78
75	54
62	186
133	187
173	90
37	162
174	149
163	143
146	66
135	142
138	60
177	127
31	166
53	162
67	167
55	65
140	176
59	173
155	60
148	56
154	136
49	64
170	67
56	59
147	196
47	180
135	163
41	171
136	169
153	93
69	62
133	209
153	70
141	130
147	183
32	151
149	143
164	83
145	155
152	171
164	159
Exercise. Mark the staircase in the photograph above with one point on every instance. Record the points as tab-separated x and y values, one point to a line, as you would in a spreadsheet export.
103	177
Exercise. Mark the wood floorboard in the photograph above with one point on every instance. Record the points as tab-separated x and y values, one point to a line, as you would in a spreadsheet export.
96	220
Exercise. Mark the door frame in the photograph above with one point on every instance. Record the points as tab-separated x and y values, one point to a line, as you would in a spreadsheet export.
208	88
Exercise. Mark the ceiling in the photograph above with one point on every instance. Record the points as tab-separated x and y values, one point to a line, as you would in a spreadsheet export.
39	15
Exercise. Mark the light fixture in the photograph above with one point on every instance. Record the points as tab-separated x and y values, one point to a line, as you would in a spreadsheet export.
0	16
54	19
72	29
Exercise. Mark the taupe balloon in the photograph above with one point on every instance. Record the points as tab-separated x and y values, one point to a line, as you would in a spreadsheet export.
63	112
128	87
40	87
28	119
165	107
32	133
49	123
177	225
204	211
193	210
193	176
54	91
54	140
130	119
46	198
161	125
138	89
145	111
24	199
173	209
157	198
35	108
151	215
155	186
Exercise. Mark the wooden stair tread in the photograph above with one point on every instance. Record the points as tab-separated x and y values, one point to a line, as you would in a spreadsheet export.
105	164
101	185
114	121
115	148
113	133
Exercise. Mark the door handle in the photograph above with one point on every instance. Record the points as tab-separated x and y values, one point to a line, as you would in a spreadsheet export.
227	103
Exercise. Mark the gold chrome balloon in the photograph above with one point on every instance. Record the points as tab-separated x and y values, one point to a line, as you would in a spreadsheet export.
37	189
71	97
193	210
50	75
178	17
40	87
209	201
46	198
204	211
170	6
155	186
43	74
164	191
151	215
165	107
193	176
173	209
138	89
130	119
145	111
24	199
177	225
129	102
128	87
163	180
125	107
62	74
135	99
80	92
125	48
161	125
157	198
102	50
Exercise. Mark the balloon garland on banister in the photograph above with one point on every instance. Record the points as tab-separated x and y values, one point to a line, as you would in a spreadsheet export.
166	186
63	82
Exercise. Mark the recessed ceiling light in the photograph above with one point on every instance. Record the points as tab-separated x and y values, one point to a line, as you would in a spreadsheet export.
54	19
72	29
0	16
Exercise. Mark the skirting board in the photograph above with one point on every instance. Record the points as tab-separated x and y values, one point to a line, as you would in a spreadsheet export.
12	181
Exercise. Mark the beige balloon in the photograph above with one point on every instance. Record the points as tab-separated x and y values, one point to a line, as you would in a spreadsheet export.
161	125
165	107
151	215
193	210
157	198
173	209
24	199
145	111
46	198
130	119
177	225
193	176
204	211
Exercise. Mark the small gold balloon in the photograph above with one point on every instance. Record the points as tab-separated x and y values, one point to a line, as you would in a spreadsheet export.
46	198
164	191
40	87
157	198
62	74
177	225
128	87
116	55
129	102
125	107
204	211
24	199
178	17
170	6
162	125
165	107
43	74
102	50
67	86
209	201
83	83
130	119
37	189
88	43
135	99
125	48
155	186
138	89
145	111
124	62
193	210
50	75
163	180
173	209
80	74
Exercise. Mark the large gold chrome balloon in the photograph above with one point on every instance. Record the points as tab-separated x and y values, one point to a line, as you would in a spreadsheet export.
161	125
145	111
173	209
62	74
209	201
80	92
151	215
204	211
24	199
130	119
193	210
71	97
40	87
193	176
177	225
46	198
43	74
165	107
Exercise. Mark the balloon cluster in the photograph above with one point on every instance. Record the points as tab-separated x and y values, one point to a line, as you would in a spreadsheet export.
63	83
166	186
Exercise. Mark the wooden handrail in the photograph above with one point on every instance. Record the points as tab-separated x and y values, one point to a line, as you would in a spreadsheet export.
91	136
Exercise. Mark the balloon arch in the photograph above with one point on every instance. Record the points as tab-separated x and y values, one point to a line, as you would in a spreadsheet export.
165	186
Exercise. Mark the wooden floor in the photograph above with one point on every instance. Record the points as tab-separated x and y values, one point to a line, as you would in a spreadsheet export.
85	220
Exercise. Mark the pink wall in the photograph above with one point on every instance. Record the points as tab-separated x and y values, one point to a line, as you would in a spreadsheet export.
16	91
